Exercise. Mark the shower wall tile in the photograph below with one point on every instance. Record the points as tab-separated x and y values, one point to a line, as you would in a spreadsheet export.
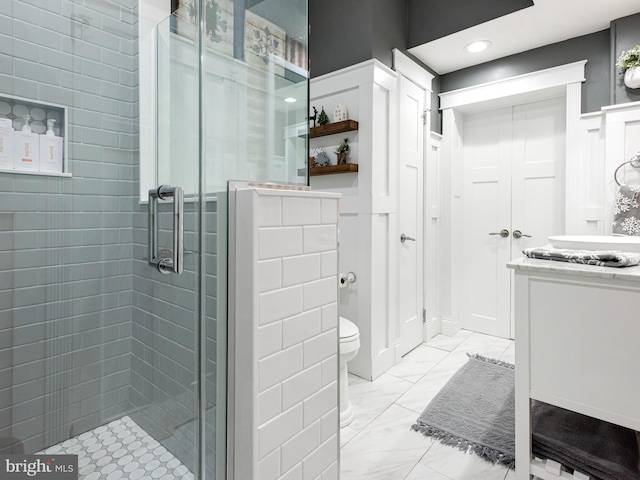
66	282
282	300
163	368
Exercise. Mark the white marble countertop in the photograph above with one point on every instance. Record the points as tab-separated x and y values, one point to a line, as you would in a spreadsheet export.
575	269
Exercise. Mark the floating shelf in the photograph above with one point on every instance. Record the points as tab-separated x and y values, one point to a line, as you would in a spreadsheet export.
345	168
333	128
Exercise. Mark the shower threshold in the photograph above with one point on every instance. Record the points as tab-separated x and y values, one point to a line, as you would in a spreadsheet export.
121	450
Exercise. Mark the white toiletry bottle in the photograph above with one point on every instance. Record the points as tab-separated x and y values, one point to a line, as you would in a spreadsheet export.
26	148
6	144
50	150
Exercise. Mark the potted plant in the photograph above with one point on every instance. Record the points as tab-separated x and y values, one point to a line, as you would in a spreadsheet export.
323	118
342	151
629	62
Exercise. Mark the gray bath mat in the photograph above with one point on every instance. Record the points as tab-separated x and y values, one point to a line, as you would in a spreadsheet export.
474	411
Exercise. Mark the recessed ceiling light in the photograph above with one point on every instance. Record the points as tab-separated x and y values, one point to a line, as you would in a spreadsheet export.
476	47
290	100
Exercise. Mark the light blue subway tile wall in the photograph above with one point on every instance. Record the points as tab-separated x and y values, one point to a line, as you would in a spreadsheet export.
165	327
165	351
66	277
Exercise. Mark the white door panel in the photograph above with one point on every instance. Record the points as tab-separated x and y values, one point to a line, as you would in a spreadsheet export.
538	177
410	215
487	191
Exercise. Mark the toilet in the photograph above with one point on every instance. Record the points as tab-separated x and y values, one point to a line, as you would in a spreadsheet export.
349	346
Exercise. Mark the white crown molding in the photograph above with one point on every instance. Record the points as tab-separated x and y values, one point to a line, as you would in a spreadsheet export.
526	83
410	69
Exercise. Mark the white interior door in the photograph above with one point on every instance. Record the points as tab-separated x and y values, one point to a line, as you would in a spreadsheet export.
487	212
410	215
514	161
538	175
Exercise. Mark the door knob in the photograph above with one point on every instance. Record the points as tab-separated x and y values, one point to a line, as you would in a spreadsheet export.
503	233
518	234
404	238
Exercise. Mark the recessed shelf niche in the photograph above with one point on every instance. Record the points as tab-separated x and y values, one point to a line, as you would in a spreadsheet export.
16	108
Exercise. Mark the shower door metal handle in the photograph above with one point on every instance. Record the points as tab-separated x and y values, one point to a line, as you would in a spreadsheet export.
174	264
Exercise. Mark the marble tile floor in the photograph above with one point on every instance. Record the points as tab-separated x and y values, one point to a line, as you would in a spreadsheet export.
121	450
379	443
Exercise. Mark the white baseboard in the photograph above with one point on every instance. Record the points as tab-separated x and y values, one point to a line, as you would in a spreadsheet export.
432	328
382	362
450	327
397	352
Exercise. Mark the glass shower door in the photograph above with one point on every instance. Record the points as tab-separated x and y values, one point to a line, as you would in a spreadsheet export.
175	272
102	352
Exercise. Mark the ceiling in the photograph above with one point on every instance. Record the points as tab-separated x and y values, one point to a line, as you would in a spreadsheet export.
544	23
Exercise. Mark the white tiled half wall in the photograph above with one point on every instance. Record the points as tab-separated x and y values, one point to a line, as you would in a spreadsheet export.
283	264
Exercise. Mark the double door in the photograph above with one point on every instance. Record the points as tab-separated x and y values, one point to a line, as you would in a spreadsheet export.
513	198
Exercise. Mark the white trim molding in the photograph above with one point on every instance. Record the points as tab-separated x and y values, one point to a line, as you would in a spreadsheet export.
410	69
521	84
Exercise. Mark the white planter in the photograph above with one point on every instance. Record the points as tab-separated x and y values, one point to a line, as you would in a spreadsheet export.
632	77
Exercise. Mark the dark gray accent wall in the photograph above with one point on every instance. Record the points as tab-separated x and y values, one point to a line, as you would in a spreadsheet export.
340	34
389	29
345	33
594	48
433	19
65	243
624	35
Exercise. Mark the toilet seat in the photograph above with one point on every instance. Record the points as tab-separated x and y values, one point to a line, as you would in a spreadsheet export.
348	330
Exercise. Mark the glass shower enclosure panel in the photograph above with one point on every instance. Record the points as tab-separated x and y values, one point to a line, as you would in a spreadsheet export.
167	301
232	91
100	351
113	320
255	92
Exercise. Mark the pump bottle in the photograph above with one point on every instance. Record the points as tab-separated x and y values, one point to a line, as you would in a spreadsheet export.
6	144
26	148
50	150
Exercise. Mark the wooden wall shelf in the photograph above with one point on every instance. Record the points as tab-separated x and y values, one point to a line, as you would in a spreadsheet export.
333	128
345	168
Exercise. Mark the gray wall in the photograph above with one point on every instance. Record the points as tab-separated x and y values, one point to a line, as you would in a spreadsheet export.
341	34
345	33
65	243
624	35
388	30
594	48
433	19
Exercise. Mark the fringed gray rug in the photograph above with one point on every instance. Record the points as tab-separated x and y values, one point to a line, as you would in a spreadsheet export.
475	411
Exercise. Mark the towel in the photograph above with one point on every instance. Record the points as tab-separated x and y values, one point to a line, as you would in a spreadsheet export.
602	258
626	219
602	450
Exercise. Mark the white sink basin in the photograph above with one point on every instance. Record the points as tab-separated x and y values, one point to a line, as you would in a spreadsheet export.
596	242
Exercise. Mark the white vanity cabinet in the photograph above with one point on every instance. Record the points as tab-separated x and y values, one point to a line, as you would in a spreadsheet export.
577	331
